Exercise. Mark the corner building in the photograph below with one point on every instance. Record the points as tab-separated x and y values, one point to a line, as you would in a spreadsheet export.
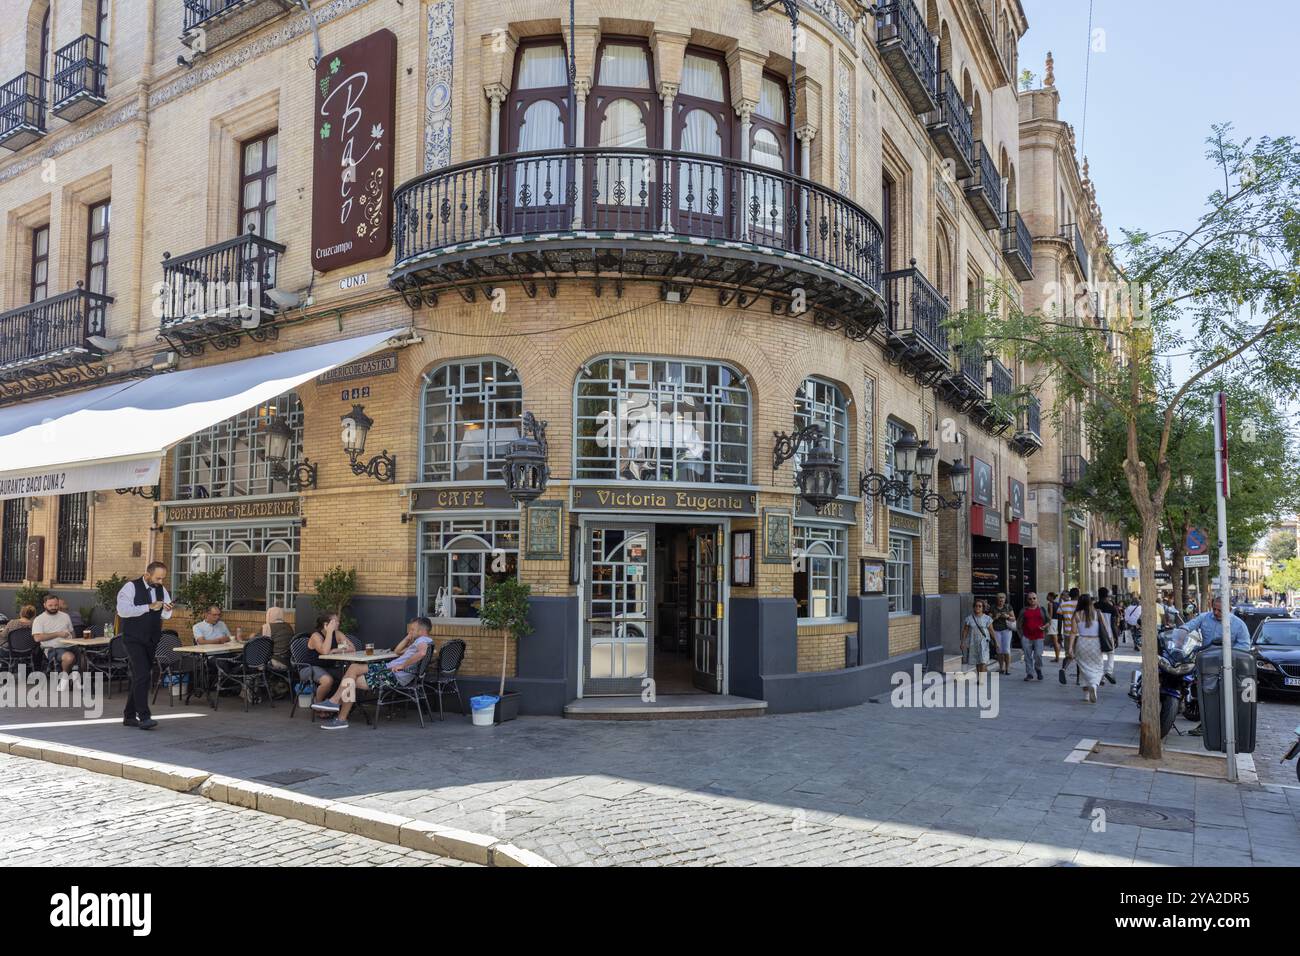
675	262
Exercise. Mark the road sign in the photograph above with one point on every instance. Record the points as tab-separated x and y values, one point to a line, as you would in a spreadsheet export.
1198	542
1196	561
1130	574
1111	545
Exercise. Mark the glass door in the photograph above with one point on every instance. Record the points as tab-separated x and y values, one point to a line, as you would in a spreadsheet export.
619	609
706	614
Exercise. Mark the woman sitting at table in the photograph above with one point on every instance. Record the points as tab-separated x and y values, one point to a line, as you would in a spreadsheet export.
326	639
399	671
24	619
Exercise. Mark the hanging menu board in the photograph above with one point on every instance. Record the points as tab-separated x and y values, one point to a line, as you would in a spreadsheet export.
988	569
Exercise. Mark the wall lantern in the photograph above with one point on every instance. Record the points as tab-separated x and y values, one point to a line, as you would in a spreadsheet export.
526	471
279	440
819	475
915	458
356	426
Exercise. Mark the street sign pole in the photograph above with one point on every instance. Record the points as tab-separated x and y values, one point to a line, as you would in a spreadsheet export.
1221	492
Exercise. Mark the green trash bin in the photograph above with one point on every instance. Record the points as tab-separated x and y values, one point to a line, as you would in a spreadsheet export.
1209	693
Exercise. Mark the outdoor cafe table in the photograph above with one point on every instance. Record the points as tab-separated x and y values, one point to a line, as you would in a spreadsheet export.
78	644
359	657
205	651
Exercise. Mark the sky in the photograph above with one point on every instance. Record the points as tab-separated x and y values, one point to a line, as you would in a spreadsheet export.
1160	74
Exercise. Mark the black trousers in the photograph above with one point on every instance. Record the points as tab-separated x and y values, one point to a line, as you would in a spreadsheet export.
139	654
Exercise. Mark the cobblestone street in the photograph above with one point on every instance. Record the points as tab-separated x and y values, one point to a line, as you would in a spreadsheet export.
864	785
62	816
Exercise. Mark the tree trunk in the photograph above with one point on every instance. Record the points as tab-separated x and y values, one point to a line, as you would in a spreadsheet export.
1150	743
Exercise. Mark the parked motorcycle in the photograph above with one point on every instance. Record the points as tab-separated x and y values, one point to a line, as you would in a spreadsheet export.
1293	753
1178	648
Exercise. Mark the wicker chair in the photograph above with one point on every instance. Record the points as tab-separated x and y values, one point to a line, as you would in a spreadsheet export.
248	672
18	650
441	678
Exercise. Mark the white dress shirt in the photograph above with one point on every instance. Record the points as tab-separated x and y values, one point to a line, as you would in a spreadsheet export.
126	606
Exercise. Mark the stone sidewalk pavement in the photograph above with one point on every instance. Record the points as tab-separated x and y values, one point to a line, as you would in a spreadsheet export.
871	784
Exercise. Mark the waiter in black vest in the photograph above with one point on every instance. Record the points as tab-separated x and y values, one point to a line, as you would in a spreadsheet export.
142	604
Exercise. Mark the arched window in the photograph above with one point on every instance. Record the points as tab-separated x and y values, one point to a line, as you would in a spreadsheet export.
943	263
820	576
645	419
769	146
622	113
228	459
820	402
537	121
702	125
472	411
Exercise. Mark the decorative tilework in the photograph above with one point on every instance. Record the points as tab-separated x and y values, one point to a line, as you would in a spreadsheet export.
438	85
869	460
843	126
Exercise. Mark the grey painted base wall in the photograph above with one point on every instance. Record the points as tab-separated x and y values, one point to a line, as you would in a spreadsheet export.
77	598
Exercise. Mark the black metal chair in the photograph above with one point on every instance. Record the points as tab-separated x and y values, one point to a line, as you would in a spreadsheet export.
19	650
441	678
247	672
112	662
170	664
298	659
413	693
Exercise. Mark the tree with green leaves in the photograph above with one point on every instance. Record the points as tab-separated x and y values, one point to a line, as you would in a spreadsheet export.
1218	302
1285	579
1280	546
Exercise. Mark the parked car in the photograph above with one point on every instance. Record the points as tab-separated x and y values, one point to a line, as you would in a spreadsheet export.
1254	615
1276	649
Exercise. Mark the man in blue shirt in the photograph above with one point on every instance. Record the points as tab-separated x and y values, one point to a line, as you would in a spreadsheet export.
1210	624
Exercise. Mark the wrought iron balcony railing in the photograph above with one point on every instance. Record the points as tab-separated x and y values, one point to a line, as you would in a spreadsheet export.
950	127
52	333
1002	383
1071	233
22	111
917	312
633	213
984	188
80	78
910	51
1031	418
222	20
1018	246
1074	468
219	289
974	369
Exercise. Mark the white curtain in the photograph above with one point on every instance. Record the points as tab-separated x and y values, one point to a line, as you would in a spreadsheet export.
542	67
700	185
769	191
541	129
771	100
701	77
624	66
619	179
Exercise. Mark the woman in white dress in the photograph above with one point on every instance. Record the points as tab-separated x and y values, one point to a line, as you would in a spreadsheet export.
1085	646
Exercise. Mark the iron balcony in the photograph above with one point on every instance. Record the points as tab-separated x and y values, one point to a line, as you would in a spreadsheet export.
910	52
618	215
22	111
917	335
51	334
984	188
1071	233
221	20
1074	468
1028	436
220	289
950	128
1018	246
80	75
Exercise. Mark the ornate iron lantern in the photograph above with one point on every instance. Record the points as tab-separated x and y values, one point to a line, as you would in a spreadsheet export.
356	427
279	441
915	458
526	471
819	474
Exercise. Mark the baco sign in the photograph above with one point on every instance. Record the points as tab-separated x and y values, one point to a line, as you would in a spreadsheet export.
352	165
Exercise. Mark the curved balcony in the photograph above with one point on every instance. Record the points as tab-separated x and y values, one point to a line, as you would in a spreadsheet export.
682	220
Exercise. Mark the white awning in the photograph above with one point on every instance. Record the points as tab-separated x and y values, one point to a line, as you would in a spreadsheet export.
115	436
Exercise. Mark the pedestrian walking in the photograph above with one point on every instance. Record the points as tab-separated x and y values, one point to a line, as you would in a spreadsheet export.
1133	620
1065	616
1108	637
976	633
1085	645
142	604
1053	624
1033	629
1004	623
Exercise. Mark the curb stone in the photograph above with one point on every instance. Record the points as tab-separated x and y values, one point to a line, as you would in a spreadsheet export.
376	825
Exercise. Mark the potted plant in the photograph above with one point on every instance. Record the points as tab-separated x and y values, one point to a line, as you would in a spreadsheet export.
201	589
334	592
32	594
505	607
106	593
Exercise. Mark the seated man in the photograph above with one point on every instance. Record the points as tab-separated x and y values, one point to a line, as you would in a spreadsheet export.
212	629
398	671
54	625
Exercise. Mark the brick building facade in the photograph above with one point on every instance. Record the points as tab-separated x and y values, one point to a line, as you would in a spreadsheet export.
661	261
